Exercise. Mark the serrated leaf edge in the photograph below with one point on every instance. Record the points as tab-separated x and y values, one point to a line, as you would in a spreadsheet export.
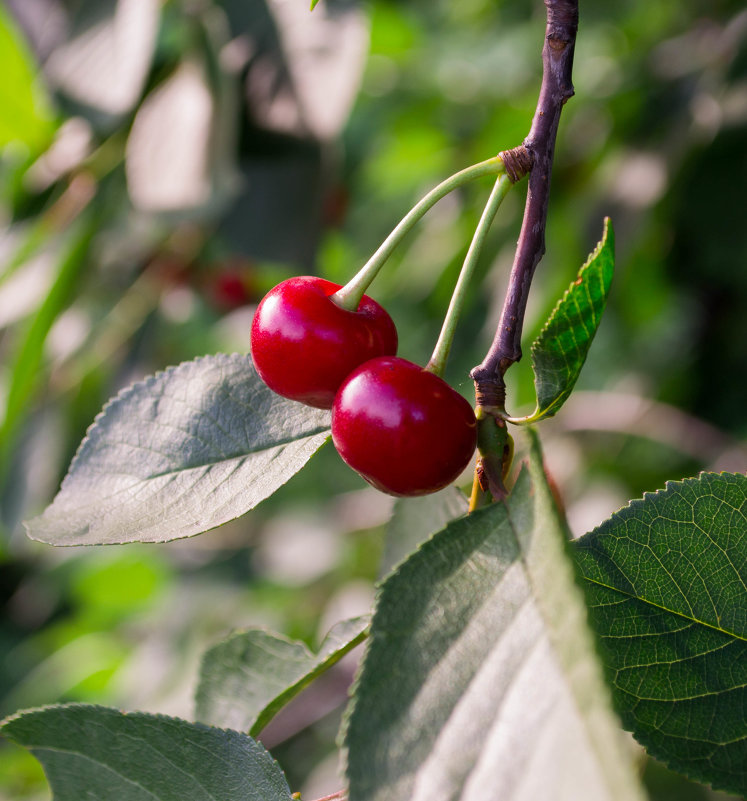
123	712
136	386
536	415
635	503
131	389
668	486
131	713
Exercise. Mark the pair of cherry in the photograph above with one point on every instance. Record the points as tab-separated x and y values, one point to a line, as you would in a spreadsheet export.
403	428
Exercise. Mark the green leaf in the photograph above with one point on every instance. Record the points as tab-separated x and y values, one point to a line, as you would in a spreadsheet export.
247	678
415	519
180	453
666	582
26	114
559	352
313	4
101	754
481	679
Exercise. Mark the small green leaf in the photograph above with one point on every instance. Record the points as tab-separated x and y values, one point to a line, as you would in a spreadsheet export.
559	352
415	519
247	678
182	452
666	582
26	115
313	4
101	754
481	679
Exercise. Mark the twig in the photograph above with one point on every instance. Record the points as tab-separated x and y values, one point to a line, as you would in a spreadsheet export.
340	795
535	155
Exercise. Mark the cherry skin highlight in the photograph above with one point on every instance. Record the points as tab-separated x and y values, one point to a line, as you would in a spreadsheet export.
304	345
404	429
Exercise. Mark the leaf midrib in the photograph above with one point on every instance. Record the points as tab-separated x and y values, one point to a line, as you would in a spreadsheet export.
666	609
224	460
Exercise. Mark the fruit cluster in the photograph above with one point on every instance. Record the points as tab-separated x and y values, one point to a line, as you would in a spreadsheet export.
403	428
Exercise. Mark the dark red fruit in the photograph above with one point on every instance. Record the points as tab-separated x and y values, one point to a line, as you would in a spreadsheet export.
404	429
229	291
304	345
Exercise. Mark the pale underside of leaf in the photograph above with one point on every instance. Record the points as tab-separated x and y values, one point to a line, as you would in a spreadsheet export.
247	678
559	352
180	453
101	754
474	685
666	583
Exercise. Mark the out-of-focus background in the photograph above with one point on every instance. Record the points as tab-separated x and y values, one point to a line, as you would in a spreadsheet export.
164	163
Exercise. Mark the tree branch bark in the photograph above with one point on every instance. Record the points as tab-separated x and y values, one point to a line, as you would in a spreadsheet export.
535	156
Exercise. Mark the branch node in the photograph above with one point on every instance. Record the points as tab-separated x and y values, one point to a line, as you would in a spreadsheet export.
490	389
517	161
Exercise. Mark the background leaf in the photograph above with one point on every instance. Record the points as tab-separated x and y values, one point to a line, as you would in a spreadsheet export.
101	754
180	453
24	374
247	678
666	582
559	352
474	681
27	115
103	63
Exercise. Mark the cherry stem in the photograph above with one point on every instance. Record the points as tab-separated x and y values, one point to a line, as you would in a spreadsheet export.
437	363
349	296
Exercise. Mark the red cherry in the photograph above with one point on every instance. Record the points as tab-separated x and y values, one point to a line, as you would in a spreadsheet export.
304	345
404	429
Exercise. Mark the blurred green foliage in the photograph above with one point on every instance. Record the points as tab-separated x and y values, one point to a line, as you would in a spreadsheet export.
221	156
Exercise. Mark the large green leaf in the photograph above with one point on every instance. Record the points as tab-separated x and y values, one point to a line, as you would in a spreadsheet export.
180	453
247	678
415	519
481	678
25	109
666	582
559	352
101	754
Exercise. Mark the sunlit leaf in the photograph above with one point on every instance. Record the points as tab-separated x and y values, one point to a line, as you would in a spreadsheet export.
101	754
559	352
25	109
180	453
666	582
481	678
247	678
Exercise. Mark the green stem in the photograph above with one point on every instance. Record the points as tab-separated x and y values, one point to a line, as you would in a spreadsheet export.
437	362
350	295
